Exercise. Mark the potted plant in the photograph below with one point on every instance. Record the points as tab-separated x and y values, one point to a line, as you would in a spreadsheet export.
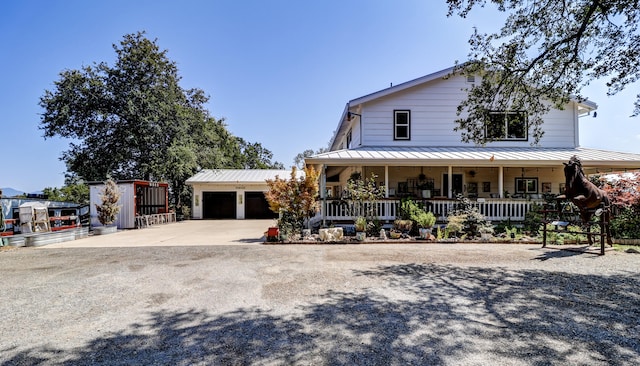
425	186
108	210
400	227
273	233
403	225
425	221
361	227
395	234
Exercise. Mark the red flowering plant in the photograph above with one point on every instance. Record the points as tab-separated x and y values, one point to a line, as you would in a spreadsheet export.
624	192
295	199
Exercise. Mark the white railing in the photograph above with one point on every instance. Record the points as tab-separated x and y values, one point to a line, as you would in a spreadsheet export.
493	209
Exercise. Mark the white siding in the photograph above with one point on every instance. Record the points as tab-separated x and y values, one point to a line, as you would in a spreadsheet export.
433	112
126	216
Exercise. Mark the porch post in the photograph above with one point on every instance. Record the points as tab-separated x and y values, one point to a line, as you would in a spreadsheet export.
501	181
323	191
450	183
386	181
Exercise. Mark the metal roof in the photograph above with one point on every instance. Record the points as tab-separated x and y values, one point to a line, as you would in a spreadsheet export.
476	156
240	175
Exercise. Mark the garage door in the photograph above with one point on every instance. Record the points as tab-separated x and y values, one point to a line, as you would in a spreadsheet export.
219	205
257	207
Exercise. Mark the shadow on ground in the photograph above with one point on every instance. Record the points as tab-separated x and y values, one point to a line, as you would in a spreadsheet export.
425	314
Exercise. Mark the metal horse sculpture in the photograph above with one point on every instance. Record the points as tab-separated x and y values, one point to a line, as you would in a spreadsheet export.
586	196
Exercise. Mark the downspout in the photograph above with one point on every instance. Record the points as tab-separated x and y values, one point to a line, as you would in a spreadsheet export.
360	124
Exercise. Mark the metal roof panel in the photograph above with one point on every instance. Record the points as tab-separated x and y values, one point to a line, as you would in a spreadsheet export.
380	155
239	175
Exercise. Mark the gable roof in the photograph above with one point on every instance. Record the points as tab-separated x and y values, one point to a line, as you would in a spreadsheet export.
475	156
584	106
235	176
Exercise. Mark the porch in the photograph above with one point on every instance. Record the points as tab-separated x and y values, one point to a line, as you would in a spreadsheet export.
494	209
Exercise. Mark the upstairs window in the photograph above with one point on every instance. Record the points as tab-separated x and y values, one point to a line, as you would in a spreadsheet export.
401	125
502	125
349	138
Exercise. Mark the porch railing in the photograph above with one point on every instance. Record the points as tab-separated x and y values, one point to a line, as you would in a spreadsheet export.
387	209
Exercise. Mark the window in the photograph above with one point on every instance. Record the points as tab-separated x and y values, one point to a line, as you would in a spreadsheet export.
349	138
402	125
503	125
526	185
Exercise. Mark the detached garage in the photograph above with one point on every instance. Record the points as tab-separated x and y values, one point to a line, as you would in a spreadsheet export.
233	193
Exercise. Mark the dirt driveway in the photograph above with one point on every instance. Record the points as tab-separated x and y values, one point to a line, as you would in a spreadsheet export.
221	301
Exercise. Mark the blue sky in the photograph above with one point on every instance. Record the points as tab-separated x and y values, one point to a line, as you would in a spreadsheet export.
279	72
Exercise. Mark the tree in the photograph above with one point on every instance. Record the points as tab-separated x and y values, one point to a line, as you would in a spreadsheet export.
133	120
544	54
296	198
624	191
255	156
299	159
72	191
108	210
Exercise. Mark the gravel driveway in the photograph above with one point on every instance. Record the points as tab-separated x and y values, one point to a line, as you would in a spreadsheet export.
246	303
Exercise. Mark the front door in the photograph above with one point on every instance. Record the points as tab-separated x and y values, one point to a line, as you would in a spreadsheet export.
456	185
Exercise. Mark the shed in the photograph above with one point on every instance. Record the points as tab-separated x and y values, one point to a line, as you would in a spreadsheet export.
233	193
137	197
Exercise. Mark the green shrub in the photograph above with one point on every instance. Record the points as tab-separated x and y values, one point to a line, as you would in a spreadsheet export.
626	224
533	218
466	218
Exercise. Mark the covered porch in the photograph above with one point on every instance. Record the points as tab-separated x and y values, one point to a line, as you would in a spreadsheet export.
503	183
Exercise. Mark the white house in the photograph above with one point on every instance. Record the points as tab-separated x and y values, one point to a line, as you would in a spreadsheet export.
405	136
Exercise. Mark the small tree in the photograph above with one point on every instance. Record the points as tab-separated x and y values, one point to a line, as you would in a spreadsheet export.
362	196
466	218
298	197
108	210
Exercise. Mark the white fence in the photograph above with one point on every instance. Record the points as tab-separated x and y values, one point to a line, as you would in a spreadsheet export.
493	209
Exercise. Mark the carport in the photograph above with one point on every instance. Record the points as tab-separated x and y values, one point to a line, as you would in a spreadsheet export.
232	193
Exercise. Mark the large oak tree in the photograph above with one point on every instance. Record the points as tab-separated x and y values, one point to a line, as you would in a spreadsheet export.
134	120
544	54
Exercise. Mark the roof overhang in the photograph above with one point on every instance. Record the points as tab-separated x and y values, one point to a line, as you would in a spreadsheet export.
475	156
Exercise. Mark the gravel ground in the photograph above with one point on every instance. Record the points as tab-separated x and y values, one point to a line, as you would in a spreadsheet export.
410	304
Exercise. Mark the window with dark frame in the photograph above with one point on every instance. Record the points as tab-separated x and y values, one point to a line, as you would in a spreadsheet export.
506	126
526	185
402	125
349	138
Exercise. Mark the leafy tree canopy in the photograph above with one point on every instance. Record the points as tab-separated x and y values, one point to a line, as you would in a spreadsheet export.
133	120
77	192
547	51
299	159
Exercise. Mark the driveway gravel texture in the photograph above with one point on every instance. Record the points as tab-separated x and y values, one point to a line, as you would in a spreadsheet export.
368	304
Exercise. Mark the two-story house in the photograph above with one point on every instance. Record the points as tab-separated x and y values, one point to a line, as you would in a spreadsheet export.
405	136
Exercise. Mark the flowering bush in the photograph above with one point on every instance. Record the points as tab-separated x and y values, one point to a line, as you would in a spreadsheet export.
298	197
624	192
